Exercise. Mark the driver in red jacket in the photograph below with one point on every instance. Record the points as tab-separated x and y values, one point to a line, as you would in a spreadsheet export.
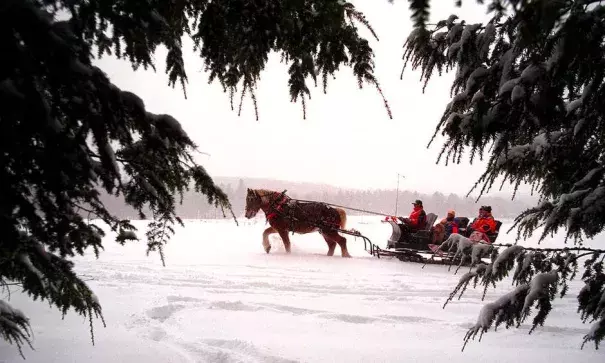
417	219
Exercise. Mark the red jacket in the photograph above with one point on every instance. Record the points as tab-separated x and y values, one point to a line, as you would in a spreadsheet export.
418	218
484	223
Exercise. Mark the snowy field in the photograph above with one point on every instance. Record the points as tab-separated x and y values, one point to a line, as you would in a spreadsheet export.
222	299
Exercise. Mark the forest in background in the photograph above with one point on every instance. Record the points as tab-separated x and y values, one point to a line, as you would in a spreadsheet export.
195	205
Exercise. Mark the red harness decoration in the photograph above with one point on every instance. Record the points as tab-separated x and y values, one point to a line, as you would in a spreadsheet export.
277	209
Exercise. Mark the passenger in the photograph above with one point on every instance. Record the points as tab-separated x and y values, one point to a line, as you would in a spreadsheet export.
482	225
417	219
450	224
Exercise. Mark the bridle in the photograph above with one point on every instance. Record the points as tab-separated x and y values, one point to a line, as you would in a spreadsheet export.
273	206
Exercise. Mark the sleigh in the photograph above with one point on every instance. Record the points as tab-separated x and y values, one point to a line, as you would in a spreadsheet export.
420	246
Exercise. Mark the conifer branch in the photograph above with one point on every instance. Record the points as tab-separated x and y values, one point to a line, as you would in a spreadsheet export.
539	274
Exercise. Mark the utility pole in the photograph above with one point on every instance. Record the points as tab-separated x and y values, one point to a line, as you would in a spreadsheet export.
399	175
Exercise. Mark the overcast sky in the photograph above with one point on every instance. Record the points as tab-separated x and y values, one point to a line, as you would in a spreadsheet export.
347	139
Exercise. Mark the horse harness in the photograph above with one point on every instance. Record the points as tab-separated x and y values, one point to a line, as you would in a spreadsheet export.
276	209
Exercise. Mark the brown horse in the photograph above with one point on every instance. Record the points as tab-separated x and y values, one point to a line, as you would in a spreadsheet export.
287	215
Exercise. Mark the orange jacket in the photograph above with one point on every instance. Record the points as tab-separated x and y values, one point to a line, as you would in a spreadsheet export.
484	223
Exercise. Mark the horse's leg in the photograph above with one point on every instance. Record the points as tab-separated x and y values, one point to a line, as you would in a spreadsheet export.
266	233
342	242
284	236
331	243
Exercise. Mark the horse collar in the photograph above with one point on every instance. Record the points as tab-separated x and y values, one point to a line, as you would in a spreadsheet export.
277	209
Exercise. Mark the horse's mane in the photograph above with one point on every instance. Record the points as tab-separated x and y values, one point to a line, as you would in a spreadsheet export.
264	192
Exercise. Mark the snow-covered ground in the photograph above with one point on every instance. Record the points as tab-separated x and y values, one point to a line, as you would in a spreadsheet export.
222	299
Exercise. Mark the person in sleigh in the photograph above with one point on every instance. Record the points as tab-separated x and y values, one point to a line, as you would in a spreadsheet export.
449	223
417	219
483	225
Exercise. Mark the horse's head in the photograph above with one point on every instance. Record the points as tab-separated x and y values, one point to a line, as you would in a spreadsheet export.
253	203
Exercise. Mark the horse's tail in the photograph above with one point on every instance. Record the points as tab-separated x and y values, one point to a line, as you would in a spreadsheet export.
343	217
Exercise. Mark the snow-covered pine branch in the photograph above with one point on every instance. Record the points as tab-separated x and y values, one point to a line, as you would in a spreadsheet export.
528	93
14	326
535	93
539	273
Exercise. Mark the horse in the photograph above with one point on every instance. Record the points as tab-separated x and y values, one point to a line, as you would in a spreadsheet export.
287	215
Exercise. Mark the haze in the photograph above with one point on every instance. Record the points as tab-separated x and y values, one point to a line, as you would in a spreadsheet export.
347	139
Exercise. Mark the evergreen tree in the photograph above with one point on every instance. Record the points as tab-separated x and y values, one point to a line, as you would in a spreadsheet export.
528	92
528	84
67	130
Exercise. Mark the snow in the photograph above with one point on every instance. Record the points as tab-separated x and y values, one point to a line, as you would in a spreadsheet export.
530	74
488	37
222	298
479	251
508	86
462	96
573	105
6	309
25	260
593	202
524	267
478	73
169	122
450	20
556	54
453	33
518	93
489	311
439	36
477	97
133	100
453	49
507	254
112	157
538	146
538	286
466	34
588	177
506	61
453	117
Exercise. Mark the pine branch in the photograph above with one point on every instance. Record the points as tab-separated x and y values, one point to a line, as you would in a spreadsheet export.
14	326
524	91
420	13
539	273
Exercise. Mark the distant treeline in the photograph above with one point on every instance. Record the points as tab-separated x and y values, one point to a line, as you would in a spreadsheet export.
195	205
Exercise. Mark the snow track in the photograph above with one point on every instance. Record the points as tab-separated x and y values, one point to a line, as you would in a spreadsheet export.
222	299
